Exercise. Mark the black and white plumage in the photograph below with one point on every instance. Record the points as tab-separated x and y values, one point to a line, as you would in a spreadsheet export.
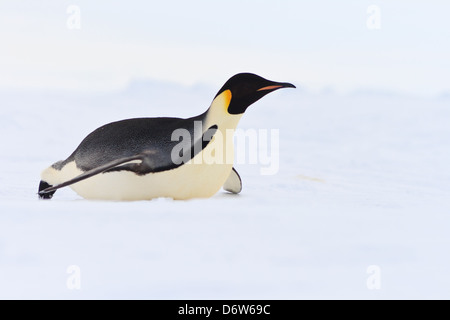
134	159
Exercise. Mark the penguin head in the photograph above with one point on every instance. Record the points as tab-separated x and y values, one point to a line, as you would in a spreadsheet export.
245	89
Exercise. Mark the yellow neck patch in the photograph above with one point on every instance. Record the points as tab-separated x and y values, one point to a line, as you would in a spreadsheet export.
218	112
226	99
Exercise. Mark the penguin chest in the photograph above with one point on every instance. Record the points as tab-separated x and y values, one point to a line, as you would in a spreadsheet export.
201	177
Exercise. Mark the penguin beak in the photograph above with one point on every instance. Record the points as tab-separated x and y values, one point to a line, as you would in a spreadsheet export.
276	86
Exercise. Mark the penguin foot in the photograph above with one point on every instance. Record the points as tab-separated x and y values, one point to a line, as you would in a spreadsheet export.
44	195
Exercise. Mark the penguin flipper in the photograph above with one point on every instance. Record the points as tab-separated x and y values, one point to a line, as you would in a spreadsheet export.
233	183
143	166
42	186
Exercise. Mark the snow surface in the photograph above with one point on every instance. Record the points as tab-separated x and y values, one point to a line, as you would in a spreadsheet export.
364	180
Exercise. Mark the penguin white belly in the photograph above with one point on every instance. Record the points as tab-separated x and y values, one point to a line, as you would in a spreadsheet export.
190	180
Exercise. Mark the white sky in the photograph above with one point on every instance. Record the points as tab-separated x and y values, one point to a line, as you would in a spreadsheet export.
315	44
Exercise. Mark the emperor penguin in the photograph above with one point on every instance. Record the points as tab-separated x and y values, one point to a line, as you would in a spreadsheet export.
147	158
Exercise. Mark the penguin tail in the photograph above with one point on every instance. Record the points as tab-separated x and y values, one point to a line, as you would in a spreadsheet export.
41	192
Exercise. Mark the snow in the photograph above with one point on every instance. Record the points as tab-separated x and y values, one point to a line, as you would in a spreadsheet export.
363	181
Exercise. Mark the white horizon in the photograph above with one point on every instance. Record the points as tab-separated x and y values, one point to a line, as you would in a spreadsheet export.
317	46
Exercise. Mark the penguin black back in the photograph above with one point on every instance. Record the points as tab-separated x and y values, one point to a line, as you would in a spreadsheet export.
130	137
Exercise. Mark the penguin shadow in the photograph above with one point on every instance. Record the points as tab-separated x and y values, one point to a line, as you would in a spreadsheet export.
227	195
